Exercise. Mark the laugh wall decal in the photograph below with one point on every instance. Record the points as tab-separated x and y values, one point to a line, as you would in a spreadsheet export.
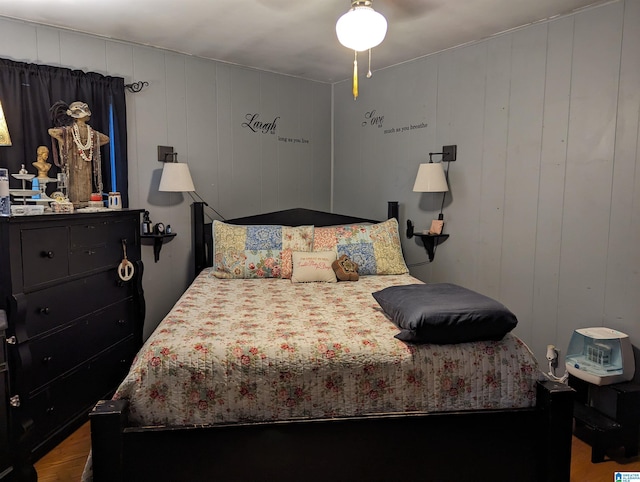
254	124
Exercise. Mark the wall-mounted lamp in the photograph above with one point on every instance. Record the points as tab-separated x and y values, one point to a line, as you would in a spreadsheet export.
176	176
432	177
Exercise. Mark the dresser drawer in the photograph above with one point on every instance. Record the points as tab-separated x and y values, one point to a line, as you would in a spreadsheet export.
89	234
52	307
98	245
56	354
44	255
74	395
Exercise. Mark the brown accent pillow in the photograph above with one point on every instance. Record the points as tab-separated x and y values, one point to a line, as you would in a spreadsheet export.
345	269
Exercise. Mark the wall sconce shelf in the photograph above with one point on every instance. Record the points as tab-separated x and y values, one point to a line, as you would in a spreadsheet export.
158	240
430	240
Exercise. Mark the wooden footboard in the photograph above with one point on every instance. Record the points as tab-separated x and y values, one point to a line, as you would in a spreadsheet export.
498	445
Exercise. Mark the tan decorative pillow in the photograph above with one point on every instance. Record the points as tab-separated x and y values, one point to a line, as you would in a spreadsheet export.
316	266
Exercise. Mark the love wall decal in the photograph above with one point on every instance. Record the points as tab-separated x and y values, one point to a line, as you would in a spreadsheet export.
373	118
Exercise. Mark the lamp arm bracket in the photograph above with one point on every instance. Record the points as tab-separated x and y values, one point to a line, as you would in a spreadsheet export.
449	153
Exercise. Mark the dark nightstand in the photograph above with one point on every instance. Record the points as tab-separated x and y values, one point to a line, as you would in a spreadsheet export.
607	416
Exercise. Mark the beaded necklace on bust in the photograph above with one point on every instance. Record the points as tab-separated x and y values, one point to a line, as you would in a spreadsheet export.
88	145
65	158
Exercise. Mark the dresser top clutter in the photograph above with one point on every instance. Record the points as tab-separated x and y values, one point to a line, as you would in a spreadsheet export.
71	292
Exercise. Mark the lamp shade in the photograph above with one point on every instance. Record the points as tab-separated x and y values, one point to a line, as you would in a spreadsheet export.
361	28
176	178
5	140
431	178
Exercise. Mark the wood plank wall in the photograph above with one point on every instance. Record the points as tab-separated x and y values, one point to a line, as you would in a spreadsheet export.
543	209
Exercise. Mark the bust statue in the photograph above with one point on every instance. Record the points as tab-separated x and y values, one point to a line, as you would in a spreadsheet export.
41	163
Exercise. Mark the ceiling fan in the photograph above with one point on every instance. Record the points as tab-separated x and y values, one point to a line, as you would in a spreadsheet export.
360	29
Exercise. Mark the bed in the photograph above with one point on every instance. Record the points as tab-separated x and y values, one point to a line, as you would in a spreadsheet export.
259	374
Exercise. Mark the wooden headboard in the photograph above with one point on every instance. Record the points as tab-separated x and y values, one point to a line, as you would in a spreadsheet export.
203	235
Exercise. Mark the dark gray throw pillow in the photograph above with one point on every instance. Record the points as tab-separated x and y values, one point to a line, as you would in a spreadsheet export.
444	313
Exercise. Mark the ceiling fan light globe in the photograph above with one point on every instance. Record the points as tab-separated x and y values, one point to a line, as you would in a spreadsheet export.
361	28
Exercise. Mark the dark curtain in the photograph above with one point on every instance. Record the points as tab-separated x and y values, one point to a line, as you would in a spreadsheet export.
27	91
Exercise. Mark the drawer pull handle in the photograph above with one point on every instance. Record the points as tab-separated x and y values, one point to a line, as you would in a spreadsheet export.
90	252
48	254
47	359
122	322
45	310
49	410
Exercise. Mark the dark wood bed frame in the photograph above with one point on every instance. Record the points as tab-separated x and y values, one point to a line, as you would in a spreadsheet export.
498	445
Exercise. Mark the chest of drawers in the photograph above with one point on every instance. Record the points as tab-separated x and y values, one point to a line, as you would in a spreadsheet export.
73	324
5	462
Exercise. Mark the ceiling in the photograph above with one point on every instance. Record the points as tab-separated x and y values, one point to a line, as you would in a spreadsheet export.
293	37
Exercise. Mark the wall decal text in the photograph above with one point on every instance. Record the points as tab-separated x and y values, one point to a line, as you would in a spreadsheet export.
300	140
410	127
255	125
372	118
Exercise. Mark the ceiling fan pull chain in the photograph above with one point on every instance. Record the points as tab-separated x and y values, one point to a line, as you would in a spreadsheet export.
369	74
355	75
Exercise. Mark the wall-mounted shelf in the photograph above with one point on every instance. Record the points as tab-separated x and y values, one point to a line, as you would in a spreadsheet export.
158	240
430	240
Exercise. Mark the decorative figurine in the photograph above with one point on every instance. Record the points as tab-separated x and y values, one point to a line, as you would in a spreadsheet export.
146	223
79	150
41	163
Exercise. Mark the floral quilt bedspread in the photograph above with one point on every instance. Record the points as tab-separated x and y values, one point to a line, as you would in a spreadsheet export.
266	349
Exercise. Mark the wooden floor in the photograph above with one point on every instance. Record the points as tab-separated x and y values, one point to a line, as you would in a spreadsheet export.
65	462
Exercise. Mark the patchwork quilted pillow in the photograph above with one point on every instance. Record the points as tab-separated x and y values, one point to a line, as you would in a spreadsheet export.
259	251
375	248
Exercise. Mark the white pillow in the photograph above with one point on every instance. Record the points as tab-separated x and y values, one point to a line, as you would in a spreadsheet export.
313	266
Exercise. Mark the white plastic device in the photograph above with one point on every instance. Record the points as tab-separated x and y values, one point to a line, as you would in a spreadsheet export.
600	355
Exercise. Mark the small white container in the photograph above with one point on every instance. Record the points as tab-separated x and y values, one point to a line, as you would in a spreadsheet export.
115	201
